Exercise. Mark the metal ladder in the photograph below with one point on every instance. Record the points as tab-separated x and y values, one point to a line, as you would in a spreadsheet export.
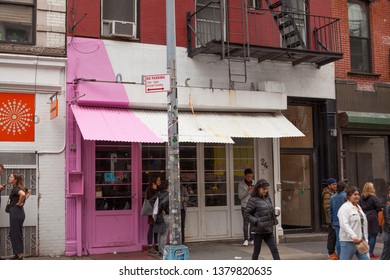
284	18
237	31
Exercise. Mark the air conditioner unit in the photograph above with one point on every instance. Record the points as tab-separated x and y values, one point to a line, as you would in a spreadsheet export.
123	29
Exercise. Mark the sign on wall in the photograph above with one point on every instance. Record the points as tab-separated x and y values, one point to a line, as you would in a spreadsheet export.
157	83
17	117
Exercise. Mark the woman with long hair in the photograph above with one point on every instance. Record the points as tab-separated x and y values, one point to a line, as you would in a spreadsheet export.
260	213
371	206
17	198
151	191
353	226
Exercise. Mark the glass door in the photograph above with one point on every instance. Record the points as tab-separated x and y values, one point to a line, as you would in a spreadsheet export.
296	178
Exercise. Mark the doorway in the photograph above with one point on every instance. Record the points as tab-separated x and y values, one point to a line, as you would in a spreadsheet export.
297	191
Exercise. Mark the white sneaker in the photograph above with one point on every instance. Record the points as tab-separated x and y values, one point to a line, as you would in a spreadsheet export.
251	242
246	243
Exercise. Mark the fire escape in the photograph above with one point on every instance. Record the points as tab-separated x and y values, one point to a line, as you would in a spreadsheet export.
239	33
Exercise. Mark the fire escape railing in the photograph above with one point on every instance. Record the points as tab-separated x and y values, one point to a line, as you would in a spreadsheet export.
321	34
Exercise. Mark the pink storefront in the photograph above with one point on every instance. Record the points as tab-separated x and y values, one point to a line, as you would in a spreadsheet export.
104	184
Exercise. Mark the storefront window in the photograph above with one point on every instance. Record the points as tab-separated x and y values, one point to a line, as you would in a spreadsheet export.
243	157
188	172
215	175
113	177
153	163
368	161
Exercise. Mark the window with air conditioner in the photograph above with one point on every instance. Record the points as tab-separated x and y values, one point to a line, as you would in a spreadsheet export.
17	21
119	18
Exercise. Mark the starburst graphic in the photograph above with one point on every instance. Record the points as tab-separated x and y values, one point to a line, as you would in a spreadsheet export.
16	117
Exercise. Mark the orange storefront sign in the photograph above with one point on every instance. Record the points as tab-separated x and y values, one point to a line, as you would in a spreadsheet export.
17	117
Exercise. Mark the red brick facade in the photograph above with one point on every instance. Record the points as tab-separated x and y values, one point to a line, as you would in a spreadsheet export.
379	12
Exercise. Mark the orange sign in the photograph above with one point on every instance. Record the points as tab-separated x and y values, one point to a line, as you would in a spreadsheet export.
54	109
17	117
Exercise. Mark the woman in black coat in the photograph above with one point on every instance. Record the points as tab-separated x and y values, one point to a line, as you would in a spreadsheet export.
371	206
261	215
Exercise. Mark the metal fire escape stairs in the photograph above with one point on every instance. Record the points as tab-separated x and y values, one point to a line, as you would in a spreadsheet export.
286	22
236	34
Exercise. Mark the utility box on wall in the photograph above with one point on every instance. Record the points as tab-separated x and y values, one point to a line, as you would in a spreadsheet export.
76	183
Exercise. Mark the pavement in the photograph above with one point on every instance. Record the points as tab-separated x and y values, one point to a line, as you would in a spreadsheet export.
291	247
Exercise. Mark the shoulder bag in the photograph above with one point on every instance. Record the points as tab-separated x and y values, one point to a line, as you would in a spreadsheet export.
147	209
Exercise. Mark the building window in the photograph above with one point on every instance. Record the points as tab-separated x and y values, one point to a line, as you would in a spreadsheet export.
359	33
208	21
255	4
113	176
188	172
119	18
215	175
153	164
17	21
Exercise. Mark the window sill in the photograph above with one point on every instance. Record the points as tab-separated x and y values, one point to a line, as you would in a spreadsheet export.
355	73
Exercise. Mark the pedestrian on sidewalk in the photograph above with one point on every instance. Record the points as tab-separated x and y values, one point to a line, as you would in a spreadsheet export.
353	226
245	188
161	225
184	197
151	191
336	201
2	187
386	229
327	192
371	206
261	215
17	199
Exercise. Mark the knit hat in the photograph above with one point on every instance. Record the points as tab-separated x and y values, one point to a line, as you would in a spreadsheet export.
330	181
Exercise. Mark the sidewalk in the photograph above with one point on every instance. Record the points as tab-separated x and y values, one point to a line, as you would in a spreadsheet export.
225	250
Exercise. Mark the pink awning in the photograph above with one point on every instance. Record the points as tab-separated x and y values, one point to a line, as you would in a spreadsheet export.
112	124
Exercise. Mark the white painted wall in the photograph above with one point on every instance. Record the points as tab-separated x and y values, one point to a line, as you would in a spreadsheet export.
18	74
132	60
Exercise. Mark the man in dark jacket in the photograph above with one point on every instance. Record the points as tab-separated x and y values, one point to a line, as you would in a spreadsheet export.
260	213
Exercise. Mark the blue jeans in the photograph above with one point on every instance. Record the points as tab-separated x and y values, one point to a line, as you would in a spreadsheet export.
348	249
372	241
337	229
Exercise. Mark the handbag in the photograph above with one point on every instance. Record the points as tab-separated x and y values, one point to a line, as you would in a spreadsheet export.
362	247
8	206
147	209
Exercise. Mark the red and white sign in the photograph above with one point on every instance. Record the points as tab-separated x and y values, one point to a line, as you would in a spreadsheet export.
157	83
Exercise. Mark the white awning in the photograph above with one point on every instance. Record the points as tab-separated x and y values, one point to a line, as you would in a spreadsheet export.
218	127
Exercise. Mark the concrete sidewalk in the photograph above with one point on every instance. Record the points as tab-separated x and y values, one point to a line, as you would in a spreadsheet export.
228	250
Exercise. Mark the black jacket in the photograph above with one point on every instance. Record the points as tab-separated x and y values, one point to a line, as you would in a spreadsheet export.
371	206
261	214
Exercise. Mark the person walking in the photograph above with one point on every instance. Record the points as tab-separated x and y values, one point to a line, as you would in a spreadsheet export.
353	226
161	225
327	192
151	191
336	201
260	213
371	206
17	199
184	197
245	188
386	229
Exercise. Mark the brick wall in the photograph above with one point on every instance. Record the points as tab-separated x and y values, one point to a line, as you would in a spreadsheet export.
379	12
